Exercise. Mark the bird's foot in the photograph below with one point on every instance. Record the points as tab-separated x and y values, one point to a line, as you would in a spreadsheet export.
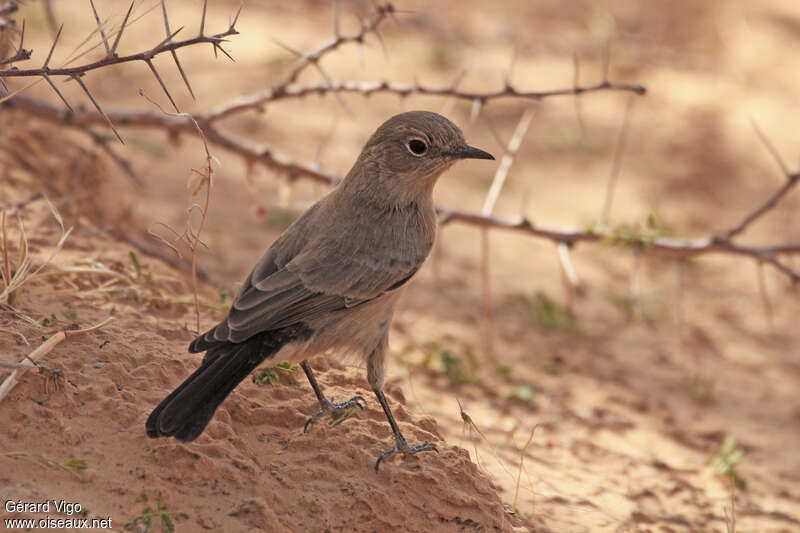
401	446
336	408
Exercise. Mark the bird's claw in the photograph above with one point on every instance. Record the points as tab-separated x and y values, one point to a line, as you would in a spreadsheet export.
331	407
402	446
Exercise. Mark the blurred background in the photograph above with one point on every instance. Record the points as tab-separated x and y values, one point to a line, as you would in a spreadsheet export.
643	379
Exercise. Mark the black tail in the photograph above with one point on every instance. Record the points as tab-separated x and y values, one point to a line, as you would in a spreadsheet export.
186	412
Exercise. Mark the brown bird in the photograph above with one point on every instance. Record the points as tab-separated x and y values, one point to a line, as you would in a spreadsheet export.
330	283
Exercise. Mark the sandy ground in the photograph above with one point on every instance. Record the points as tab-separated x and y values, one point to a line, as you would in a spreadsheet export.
632	403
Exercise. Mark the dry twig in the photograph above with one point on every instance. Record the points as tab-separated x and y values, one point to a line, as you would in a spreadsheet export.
43	349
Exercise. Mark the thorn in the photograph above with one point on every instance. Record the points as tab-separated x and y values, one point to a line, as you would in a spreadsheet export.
218	46
53	47
511	64
288	48
380	41
100	28
616	163
167	40
336	27
183	74
53	85
575	70
97	106
174	53
232	25
576	85
121	29
771	148
22	37
496	134
203	18
566	264
161	82
477	105
329	82
457	81
166	20
507	87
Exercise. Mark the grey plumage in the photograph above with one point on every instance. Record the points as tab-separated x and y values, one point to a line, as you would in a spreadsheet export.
330	282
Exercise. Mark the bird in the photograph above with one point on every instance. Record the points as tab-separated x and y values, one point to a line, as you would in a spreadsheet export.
330	283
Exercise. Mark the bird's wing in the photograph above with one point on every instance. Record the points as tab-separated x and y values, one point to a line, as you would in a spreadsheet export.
308	287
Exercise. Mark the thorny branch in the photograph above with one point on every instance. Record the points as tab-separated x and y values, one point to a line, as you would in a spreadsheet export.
111	57
367	88
286	88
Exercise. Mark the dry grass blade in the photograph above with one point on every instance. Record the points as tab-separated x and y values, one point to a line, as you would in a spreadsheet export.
521	460
6	270
23	273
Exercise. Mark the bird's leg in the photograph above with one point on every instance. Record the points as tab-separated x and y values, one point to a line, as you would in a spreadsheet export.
328	405
400	444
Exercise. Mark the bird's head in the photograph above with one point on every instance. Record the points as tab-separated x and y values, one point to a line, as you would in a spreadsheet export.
408	152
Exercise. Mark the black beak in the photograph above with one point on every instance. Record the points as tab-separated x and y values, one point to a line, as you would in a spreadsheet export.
469	152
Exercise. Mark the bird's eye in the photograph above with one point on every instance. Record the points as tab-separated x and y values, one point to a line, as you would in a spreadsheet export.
417	147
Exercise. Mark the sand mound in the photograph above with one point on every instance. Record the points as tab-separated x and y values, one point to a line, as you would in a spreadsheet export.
253	468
